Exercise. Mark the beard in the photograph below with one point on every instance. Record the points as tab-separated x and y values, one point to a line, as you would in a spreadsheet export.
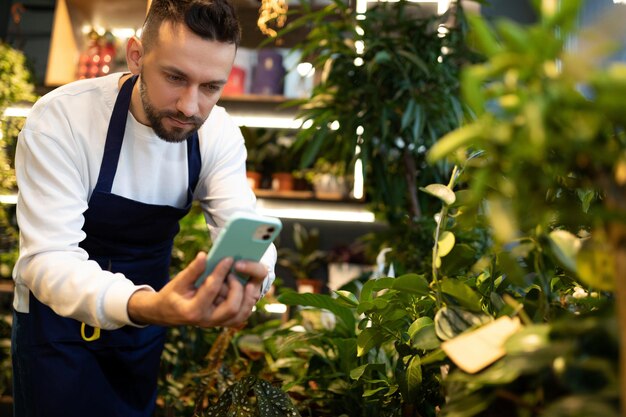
155	118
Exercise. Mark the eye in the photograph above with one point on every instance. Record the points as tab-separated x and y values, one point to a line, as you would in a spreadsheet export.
174	78
211	88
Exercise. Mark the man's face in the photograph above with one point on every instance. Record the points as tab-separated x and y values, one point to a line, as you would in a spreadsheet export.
181	79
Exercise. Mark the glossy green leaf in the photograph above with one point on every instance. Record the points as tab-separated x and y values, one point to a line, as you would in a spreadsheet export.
514	35
422	334
345	315
445	243
418	124
586	198
371	392
451	321
380	303
462	293
365	306
347	299
441	192
565	246
408	114
484	37
435	356
454	140
359	372
528	339
413	376
374	285
368	339
411	283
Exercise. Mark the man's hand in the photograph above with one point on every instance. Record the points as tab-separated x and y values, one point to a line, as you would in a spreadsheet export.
221	300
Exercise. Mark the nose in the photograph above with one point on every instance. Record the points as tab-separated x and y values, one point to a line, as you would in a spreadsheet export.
187	103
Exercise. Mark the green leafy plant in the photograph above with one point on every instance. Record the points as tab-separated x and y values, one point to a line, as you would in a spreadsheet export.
549	179
252	397
16	86
306	256
386	102
258	142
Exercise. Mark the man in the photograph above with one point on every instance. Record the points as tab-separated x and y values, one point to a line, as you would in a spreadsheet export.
106	168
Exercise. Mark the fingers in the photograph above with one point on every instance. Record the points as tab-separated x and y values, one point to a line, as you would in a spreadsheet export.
256	271
231	309
222	294
211	288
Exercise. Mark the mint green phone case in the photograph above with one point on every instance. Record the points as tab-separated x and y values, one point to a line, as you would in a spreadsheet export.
244	236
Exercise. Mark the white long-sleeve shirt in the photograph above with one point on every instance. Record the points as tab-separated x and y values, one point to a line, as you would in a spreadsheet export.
57	163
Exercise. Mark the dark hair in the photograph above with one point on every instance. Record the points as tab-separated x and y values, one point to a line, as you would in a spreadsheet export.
214	20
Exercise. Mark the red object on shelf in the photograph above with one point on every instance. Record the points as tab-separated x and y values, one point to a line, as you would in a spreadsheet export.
97	57
236	82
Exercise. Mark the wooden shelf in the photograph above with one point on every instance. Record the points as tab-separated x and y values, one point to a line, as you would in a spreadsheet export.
255	98
303	195
295	195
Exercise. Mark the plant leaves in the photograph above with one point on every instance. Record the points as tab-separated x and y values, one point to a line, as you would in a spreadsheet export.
367	339
412	283
345	315
347	299
528	339
565	246
451	321
375	285
441	192
357	373
462	293
453	141
595	266
445	243
423	335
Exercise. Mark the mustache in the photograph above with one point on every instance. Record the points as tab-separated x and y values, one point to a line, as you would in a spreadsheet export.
180	116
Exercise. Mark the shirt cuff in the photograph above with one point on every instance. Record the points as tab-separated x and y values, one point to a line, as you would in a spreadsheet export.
115	304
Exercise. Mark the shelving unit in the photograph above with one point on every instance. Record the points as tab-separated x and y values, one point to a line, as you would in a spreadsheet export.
73	17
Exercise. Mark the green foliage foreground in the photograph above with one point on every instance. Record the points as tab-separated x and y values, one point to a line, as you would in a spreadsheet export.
530	226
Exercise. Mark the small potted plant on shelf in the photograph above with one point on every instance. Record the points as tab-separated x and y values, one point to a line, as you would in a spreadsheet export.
282	162
329	180
257	141
304	259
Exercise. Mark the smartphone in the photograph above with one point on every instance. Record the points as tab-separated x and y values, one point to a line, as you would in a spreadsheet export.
245	236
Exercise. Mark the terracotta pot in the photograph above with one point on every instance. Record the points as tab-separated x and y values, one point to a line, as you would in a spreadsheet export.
306	285
254	179
282	181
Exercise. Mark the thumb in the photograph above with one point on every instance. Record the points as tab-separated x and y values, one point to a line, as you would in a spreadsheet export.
210	288
192	272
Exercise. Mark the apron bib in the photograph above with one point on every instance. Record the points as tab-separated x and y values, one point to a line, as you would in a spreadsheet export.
56	371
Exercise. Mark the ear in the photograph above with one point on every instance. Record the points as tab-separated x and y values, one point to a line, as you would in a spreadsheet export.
134	55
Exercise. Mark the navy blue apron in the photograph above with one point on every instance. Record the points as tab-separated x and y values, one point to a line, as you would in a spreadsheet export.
56	371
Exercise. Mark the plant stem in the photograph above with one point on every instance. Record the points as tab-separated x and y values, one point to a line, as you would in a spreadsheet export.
443	214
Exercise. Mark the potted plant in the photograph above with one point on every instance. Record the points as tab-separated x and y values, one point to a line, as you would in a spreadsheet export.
304	259
257	141
330	180
388	90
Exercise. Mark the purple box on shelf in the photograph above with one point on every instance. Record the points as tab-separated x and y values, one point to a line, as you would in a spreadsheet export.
269	73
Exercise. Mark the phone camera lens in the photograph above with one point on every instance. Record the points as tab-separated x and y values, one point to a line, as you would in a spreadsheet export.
266	237
270	230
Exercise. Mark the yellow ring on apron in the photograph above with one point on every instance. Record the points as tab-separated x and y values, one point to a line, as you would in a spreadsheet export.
94	336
